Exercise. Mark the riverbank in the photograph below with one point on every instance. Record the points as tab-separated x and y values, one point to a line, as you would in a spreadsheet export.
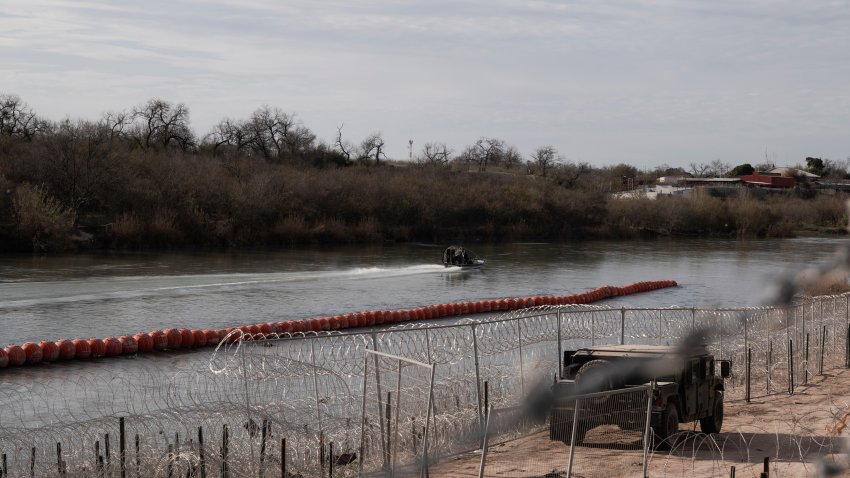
161	203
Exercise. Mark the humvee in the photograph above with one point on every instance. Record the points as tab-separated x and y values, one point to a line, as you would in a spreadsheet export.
686	389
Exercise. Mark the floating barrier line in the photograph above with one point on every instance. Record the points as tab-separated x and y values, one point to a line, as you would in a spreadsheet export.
32	353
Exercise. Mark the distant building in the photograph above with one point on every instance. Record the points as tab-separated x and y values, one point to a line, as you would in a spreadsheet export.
790	173
762	180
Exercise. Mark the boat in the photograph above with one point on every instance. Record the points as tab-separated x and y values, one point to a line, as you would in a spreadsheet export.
457	256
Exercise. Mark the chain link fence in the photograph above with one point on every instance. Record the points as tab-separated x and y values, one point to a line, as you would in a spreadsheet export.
286	400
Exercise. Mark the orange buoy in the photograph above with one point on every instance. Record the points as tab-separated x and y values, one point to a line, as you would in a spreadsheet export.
16	355
211	337
49	351
82	350
187	338
173	337
97	347
129	345
32	352
4	358
113	346
200	337
66	349
160	340
144	342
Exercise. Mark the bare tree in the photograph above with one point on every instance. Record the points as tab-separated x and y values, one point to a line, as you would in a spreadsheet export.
268	129
372	147
435	154
299	140
510	157
82	164
160	124
718	168
343	146
485	151
699	170
18	119
544	158
569	174
229	133
117	123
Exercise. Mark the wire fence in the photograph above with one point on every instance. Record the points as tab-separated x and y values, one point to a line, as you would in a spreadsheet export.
269	405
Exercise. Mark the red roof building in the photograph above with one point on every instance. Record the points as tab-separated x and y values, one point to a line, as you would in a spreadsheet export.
765	181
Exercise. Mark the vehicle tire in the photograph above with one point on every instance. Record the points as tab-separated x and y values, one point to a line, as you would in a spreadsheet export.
713	423
595	376
668	427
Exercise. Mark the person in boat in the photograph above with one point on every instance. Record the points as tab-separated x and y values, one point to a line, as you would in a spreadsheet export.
457	256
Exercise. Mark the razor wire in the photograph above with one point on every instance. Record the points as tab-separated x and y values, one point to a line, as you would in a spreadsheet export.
306	388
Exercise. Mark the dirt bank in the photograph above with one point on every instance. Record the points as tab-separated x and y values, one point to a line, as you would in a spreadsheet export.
799	433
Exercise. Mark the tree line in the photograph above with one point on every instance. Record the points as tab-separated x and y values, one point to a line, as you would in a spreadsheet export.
143	178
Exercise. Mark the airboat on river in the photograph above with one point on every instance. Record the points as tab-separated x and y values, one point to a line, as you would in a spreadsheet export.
456	256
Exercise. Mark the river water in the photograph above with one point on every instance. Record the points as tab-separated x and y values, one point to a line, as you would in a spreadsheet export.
98	294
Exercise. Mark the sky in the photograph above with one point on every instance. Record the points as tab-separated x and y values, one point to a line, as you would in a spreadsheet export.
643	82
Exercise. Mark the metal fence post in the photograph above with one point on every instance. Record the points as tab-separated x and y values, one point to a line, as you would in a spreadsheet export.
560	347
646	427
424	471
749	375
477	375
394	433
428	345
363	415
484	445
622	326
573	438
822	343
592	329
791	367
384	450
316	382
659	327
521	369
248	397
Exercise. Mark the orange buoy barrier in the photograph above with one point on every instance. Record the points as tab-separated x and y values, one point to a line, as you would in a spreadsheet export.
49	351
81	349
129	345
187	338
113	346
67	351
173	338
16	355
97	347
32	352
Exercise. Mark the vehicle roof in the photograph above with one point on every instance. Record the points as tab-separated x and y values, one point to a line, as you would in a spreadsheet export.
639	351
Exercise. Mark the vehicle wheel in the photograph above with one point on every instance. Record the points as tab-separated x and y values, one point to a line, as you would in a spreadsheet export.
595	376
668	427
713	423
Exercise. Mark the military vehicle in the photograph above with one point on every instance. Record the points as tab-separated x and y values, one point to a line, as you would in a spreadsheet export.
686	389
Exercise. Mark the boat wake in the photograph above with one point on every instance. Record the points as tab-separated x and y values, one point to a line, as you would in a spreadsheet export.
22	295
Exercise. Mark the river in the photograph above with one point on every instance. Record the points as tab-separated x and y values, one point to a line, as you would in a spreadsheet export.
102	294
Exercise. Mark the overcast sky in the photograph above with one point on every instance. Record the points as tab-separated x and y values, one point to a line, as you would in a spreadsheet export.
644	82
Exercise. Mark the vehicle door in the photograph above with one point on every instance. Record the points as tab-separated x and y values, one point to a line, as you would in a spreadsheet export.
703	387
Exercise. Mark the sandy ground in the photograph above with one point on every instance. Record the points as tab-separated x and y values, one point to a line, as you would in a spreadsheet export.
802	434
